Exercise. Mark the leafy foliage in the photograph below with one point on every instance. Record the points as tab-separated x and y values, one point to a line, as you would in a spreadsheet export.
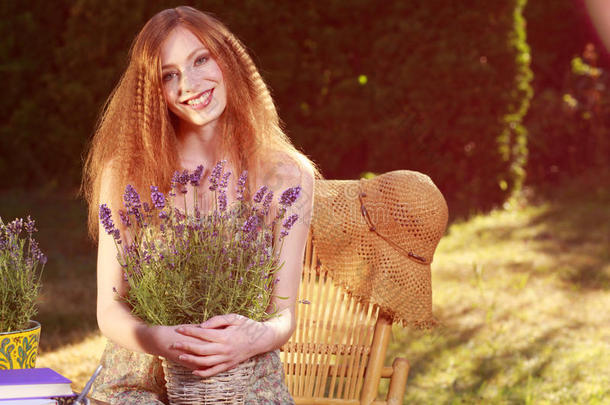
440	87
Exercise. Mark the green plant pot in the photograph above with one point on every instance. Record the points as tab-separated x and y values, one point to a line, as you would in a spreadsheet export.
18	349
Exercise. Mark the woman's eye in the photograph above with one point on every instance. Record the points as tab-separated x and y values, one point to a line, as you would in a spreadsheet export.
168	76
201	60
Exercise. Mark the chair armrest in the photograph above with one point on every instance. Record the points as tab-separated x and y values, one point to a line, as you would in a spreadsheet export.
398	381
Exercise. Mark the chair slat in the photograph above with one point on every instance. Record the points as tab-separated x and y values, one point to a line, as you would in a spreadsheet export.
327	355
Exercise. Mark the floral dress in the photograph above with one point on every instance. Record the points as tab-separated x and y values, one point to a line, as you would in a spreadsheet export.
137	378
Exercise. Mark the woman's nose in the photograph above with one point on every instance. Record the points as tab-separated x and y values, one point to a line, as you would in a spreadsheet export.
186	82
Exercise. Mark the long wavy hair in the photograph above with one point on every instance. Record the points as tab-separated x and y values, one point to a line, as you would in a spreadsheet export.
135	138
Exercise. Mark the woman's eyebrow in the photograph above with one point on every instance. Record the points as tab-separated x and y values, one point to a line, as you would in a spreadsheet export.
190	56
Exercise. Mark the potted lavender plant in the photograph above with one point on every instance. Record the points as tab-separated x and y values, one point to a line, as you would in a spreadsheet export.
186	267
21	264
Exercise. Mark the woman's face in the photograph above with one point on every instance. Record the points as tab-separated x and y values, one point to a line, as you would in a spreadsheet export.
193	85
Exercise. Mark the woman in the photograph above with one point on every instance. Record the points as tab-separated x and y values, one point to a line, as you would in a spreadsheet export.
191	95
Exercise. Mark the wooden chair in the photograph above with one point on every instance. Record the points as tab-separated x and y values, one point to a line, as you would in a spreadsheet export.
337	353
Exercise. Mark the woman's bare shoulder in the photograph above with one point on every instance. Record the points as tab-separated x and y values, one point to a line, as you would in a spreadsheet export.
282	170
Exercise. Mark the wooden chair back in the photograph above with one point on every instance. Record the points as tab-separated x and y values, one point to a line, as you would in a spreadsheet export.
337	351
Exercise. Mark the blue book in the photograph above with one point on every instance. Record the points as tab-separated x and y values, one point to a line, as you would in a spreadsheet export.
33	383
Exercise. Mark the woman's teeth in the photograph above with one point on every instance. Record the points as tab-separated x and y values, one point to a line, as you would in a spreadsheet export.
199	100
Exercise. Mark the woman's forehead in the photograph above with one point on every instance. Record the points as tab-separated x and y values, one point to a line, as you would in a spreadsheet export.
179	46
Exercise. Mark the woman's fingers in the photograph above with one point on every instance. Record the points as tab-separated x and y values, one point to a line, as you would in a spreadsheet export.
223	321
201	362
199	349
210	335
211	371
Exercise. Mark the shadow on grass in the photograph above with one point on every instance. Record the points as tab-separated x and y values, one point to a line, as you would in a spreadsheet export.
572	228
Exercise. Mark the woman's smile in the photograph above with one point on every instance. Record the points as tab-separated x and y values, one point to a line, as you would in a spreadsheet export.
200	101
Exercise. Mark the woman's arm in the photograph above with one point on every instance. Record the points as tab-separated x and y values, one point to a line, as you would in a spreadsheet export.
233	338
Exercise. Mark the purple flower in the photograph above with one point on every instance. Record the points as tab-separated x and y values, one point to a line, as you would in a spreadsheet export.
124	218
157	198
131	197
133	204
259	194
250	225
196	176
30	226
215	175
267	202
288	222
222	200
184	178
241	185
224	181
36	253
15	226
290	196
106	219
146	207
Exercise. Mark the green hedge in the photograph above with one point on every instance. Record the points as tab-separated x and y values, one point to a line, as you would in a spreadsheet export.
436	86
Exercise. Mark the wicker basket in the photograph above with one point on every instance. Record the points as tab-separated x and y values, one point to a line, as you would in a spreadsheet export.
229	387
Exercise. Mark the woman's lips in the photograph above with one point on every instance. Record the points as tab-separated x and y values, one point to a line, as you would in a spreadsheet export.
201	101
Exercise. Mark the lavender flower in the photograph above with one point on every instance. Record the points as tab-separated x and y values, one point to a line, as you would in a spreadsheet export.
290	196
30	227
259	194
124	218
224	181
131	198
36	253
196	176
222	200
215	175
15	226
132	203
157	198
202	250
106	219
250	225
288	222
241	185
267	202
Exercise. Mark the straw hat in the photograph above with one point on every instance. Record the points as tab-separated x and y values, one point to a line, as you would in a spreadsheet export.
376	238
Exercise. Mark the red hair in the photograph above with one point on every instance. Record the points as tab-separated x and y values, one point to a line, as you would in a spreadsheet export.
135	140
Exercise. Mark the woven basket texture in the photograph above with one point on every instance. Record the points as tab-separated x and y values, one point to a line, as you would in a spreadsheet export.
229	387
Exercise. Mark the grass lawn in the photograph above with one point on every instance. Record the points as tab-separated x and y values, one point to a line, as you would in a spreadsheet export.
522	295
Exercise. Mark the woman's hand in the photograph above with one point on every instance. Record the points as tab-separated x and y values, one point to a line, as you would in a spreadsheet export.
160	341
220	343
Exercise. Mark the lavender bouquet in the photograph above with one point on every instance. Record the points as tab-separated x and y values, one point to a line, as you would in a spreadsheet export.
187	266
21	265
